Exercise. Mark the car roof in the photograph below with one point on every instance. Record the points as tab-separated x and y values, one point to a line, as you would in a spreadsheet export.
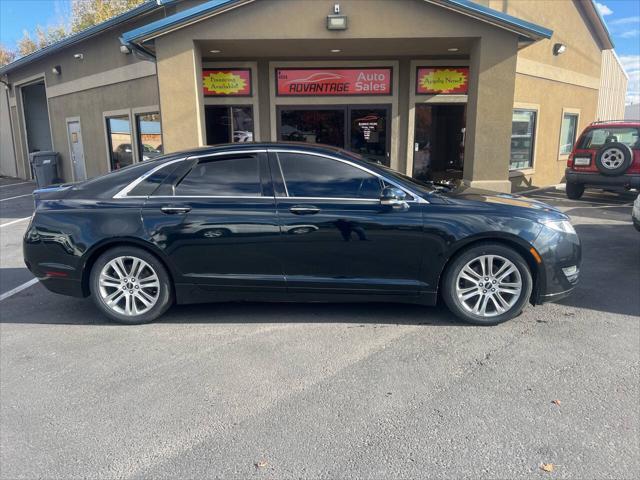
615	123
327	149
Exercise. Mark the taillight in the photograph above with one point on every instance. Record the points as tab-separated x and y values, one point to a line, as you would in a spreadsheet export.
570	161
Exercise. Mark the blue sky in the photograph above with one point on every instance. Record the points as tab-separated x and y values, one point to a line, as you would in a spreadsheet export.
621	16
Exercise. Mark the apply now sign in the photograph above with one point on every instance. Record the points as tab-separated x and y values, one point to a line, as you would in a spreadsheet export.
442	80
312	82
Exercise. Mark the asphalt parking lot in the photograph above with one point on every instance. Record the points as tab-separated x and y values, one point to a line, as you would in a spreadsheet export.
326	391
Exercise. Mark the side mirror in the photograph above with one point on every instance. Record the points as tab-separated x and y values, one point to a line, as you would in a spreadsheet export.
393	197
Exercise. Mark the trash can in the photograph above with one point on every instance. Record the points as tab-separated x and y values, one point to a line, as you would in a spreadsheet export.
45	167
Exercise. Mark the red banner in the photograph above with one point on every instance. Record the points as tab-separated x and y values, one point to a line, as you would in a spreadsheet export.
443	80
312	82
226	82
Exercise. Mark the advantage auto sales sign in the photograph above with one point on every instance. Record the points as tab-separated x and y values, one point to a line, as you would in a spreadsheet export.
313	82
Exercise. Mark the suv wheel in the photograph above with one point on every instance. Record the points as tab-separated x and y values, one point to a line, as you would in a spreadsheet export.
487	284
129	285
614	158
574	190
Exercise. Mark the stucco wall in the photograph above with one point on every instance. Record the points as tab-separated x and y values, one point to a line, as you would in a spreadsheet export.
89	105
549	98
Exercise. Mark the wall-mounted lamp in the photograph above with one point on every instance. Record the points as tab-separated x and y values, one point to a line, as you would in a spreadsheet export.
78	56
57	70
124	49
559	48
336	21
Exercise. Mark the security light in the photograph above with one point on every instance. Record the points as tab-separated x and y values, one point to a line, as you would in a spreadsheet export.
79	56
57	70
559	48
124	49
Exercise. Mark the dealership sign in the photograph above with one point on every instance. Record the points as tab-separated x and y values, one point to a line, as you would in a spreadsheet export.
443	80
307	82
226	82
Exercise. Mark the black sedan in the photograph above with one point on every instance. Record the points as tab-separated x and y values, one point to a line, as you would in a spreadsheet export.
291	222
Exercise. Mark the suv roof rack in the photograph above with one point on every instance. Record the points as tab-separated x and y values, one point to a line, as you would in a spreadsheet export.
628	120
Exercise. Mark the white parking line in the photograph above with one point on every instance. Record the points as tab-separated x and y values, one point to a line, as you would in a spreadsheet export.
18	289
12	198
14	184
14	221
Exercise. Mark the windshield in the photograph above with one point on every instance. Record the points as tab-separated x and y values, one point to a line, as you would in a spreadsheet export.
597	137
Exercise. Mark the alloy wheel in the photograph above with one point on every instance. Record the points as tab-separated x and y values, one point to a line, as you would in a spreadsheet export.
488	285
129	286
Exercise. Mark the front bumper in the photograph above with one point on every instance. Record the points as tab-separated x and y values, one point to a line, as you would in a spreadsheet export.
597	179
558	251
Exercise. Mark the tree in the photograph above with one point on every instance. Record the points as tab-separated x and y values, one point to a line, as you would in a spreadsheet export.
6	55
86	13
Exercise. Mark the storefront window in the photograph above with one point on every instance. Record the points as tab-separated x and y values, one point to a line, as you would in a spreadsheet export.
120	146
523	129
326	126
568	132
369	133
149	135
229	124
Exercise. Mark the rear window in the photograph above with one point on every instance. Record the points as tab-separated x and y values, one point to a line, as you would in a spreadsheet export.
597	137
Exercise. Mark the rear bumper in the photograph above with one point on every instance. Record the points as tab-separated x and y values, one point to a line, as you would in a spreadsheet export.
586	178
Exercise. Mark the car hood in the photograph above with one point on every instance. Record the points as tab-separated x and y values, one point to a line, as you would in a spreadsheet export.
498	199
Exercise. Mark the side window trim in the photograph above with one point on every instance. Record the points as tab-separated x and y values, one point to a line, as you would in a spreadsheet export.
415	197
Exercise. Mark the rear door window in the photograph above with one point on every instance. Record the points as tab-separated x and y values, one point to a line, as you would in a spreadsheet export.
598	137
228	176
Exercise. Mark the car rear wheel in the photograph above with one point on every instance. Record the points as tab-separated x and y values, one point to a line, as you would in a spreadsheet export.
574	190
129	285
487	284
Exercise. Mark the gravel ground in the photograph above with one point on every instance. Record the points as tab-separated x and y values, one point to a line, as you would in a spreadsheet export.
327	391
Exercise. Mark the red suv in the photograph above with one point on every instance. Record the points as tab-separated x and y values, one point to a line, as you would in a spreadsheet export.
606	154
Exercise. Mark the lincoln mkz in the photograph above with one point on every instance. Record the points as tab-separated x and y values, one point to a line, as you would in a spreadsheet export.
291	222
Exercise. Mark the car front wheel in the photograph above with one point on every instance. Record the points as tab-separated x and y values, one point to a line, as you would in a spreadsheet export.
129	285
487	284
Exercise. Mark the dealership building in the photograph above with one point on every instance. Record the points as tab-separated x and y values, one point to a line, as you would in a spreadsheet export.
490	92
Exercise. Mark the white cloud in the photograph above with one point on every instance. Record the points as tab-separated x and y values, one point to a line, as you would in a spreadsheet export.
603	9
625	21
629	34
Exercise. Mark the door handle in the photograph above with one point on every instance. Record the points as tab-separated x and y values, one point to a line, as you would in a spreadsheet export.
175	210
304	210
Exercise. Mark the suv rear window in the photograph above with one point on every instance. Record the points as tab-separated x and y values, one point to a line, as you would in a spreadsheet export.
597	137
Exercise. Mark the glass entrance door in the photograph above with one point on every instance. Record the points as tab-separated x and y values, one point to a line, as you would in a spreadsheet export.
361	129
438	149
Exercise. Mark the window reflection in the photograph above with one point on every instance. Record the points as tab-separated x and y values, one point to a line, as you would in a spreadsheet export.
119	136
229	124
523	130
149	135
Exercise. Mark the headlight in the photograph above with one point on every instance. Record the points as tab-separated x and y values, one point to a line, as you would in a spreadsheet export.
563	226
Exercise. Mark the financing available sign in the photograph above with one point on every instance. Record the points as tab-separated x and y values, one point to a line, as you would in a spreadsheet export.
442	80
226	82
313	82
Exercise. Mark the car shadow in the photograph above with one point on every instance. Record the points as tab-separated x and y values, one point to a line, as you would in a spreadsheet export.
610	272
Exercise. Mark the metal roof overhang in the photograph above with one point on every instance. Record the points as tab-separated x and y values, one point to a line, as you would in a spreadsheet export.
142	9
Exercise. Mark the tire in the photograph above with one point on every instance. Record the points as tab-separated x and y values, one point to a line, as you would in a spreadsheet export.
149	296
614	159
574	191
456	284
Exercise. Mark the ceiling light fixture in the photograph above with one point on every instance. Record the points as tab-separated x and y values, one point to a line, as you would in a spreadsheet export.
215	51
453	49
335	50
